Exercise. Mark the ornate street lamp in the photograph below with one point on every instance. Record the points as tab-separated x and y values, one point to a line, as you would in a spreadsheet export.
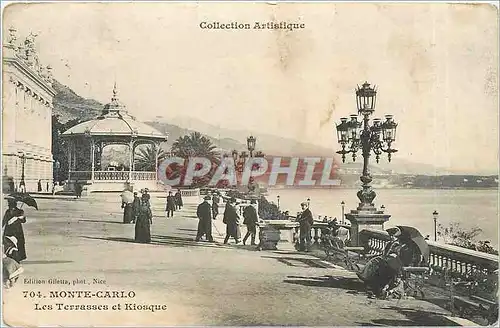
251	144
377	138
343	205
23	162
435	216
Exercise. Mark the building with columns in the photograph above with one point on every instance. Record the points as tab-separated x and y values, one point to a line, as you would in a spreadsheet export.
26	117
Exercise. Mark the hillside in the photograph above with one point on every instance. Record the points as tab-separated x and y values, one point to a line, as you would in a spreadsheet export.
69	105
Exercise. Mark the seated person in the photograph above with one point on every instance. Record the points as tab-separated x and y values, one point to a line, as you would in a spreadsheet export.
381	272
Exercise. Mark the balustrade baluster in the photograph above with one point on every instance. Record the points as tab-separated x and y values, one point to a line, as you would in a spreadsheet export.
316	235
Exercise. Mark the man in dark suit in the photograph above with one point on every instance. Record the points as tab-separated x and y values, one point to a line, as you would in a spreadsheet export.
170	205
231	219
306	221
250	220
204	213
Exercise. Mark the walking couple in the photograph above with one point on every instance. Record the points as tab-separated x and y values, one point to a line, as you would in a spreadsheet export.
231	219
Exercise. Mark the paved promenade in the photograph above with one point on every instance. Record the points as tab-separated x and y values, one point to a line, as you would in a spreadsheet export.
197	282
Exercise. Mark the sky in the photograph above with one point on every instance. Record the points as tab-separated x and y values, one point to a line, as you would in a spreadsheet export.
435	67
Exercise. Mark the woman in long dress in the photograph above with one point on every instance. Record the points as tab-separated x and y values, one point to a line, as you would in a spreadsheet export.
381	270
12	223
143	222
128	212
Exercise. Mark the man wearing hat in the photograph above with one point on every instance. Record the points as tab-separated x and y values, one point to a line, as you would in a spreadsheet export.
250	220
231	220
306	221
204	213
170	205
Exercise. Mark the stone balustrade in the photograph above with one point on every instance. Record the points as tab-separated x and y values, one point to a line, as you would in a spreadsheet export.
457	262
316	231
113	175
139	175
190	192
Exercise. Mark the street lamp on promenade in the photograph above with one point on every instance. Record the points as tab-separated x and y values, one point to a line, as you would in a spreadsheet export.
343	205
377	138
251	144
22	184
435	216
240	159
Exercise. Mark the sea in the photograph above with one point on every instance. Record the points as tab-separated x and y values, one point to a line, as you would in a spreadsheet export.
412	207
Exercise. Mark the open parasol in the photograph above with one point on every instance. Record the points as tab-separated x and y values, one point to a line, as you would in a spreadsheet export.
414	236
127	197
23	198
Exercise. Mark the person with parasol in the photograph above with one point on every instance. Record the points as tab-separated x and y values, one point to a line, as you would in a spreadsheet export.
127	201
12	222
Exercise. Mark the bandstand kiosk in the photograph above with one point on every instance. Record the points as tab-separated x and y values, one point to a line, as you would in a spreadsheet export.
114	126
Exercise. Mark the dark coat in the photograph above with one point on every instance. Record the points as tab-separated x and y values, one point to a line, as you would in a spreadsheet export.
178	199
135	205
250	215
204	212
15	228
143	223
306	221
170	203
231	219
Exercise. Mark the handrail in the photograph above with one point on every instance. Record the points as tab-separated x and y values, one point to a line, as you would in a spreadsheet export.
457	261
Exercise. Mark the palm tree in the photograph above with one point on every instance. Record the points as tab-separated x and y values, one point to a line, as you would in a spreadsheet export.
194	144
147	156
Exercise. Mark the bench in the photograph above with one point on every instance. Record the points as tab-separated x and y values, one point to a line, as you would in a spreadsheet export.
338	249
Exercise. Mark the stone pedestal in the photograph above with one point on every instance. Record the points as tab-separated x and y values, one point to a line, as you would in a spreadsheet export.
366	216
276	234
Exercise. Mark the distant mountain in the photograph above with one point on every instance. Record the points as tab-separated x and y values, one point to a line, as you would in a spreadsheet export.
268	143
69	105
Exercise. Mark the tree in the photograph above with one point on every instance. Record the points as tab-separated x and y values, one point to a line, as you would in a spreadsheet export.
147	158
455	235
195	145
59	145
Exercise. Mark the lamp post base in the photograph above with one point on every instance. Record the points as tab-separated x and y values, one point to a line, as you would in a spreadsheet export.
365	217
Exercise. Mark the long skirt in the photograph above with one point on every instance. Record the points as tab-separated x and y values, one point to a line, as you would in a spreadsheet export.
16	230
128	214
11	271
142	230
378	272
